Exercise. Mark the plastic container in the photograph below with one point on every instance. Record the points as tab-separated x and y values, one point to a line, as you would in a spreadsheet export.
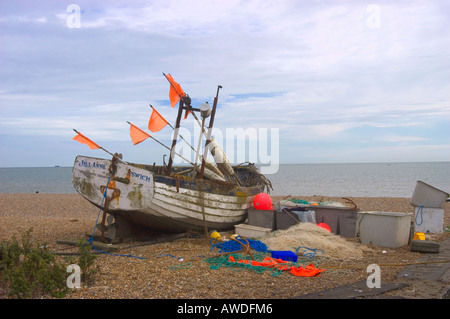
419	236
341	220
285	255
428	196
429	220
290	217
306	216
250	231
384	229
261	218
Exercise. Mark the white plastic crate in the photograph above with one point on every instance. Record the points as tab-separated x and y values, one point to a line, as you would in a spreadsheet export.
250	231
428	220
384	229
428	196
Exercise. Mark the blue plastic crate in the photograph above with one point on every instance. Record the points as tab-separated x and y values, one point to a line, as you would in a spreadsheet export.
285	255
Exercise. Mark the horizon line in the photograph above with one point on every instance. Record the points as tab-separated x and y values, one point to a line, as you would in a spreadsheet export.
309	163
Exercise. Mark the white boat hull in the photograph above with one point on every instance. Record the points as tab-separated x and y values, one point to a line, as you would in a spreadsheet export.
143	197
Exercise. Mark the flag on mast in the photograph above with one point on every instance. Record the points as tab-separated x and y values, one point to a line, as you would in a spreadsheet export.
186	113
84	140
175	92
137	135
156	122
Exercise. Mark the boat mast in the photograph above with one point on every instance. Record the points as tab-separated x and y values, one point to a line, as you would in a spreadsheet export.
208	138
185	104
175	135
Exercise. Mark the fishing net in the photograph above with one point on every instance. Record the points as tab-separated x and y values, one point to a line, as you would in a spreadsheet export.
311	238
261	262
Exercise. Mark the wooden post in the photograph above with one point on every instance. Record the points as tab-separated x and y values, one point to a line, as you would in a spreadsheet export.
105	211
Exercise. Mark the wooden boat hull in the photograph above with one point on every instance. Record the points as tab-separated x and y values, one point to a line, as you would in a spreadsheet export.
144	196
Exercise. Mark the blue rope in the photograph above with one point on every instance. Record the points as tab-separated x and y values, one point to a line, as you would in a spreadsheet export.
420	211
120	255
311	254
231	245
90	240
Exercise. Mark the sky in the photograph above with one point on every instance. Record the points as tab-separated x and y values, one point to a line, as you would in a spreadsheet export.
302	81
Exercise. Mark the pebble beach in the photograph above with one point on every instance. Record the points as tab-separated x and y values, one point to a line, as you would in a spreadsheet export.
176	269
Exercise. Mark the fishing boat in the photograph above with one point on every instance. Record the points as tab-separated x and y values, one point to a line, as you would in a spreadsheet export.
138	197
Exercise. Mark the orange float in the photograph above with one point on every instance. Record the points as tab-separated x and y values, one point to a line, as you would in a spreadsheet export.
262	201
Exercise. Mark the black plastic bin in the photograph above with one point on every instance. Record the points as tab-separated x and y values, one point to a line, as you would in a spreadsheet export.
261	218
342	220
287	217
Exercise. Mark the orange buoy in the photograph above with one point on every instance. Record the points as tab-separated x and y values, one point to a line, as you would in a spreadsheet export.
262	201
324	226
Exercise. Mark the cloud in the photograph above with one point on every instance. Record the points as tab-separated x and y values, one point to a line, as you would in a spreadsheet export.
24	19
320	72
396	139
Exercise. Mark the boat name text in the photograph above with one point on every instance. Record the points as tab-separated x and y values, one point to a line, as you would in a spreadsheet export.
87	164
141	177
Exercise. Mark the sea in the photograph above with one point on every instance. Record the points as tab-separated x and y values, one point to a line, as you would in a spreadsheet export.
335	180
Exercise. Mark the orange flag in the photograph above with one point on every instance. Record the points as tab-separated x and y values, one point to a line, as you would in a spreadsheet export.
84	140
137	135
156	121
175	92
186	114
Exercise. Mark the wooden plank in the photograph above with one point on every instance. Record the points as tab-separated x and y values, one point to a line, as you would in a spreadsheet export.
196	200
183	211
207	195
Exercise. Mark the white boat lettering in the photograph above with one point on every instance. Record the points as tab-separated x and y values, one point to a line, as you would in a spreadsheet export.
141	176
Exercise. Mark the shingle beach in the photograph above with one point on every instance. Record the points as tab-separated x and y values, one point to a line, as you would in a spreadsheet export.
177	269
